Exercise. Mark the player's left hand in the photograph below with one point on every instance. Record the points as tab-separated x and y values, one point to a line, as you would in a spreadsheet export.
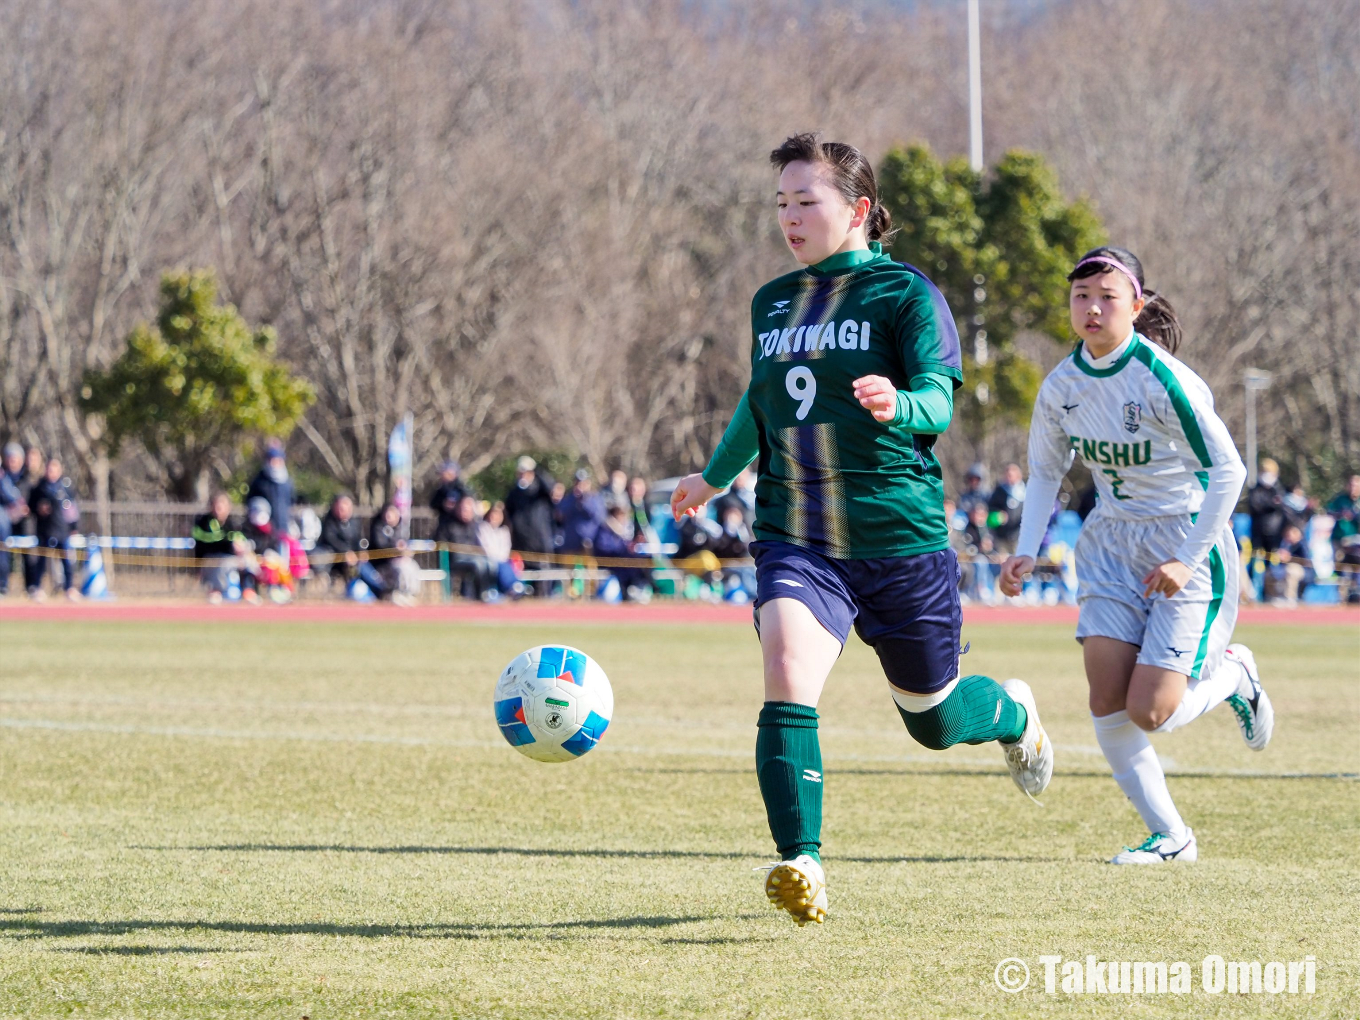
1167	579
878	395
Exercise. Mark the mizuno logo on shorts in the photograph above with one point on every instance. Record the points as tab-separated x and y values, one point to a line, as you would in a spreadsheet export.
812	775
791	584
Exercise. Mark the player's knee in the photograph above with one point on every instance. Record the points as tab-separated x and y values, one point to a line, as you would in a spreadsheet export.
1147	717
932	728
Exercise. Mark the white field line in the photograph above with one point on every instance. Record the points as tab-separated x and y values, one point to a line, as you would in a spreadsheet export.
211	733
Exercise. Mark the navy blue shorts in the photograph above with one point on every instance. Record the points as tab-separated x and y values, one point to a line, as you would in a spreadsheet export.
905	607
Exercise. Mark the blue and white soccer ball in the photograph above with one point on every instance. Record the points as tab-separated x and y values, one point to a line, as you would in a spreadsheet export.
553	703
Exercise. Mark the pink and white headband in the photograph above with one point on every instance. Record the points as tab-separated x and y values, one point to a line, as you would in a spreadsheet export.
1105	260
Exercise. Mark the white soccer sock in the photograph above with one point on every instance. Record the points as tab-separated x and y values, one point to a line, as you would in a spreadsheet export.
1204	693
1138	773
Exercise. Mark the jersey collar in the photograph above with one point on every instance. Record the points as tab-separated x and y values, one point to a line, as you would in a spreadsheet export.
1082	362
848	261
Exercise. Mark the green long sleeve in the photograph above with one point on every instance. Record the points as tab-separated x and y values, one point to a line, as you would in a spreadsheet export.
739	446
926	408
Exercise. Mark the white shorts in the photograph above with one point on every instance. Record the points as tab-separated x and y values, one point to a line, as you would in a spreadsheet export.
1186	633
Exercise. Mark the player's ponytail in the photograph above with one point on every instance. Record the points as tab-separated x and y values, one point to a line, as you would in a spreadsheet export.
1157	321
880	223
850	173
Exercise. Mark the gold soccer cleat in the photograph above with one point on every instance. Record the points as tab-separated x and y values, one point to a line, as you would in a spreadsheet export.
798	886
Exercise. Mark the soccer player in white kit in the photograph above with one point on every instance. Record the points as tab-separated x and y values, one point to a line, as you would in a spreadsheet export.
1157	567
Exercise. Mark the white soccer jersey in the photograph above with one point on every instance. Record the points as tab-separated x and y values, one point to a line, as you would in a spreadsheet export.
1145	425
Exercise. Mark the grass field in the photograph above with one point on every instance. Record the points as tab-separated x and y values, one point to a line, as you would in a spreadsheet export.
231	820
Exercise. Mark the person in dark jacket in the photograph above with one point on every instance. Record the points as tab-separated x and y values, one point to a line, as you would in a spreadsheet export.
26	479
275	487
13	506
218	541
337	547
974	490
474	572
1005	507
398	571
735	544
583	512
741	495
444	501
529	508
54	514
615	539
1265	503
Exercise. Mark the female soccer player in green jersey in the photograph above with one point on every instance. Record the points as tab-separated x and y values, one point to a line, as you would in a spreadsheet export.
854	363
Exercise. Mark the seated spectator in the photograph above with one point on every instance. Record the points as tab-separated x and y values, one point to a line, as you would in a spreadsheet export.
337	549
558	494
953	520
1005	507
1298	508
974	489
444	501
276	558
263	563
735	544
1344	509
494	538
399	573
13	506
637	507
582	512
695	553
742	494
614	539
1291	569
956	521
54	514
697	534
474	571
616	492
979	547
219	546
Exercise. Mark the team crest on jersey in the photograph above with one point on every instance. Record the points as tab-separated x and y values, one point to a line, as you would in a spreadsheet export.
780	308
1133	416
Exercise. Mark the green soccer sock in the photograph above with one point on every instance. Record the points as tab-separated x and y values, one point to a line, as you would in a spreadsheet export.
977	711
789	769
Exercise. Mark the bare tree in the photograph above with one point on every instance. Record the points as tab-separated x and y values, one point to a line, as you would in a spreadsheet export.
539	223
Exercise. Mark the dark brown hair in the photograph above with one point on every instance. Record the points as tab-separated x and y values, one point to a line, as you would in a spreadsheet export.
850	174
1157	321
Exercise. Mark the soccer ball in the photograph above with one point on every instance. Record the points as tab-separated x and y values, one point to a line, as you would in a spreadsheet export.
553	703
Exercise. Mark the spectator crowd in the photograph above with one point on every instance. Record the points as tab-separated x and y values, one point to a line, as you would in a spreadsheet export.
543	536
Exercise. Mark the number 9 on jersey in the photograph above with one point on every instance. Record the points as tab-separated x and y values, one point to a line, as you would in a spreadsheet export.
802	386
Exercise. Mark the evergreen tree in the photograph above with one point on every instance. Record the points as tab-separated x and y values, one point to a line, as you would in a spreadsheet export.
999	247
194	387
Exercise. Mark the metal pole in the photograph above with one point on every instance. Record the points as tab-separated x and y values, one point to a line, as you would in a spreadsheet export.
1253	379
974	88
1251	435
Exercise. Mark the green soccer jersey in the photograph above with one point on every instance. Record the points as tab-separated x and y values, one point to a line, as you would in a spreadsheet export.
831	477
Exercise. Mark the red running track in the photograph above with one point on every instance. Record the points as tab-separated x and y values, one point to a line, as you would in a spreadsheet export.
530	612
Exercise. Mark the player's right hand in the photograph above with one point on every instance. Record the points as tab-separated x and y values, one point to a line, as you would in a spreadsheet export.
690	494
1013	573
